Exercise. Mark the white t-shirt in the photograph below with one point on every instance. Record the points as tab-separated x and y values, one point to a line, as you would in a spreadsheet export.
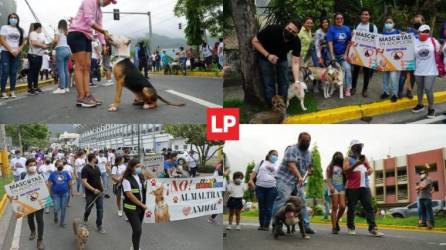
19	164
69	169
11	35
111	158
34	36
94	46
46	65
191	162
101	163
206	51
366	27
62	40
118	170
126	184
46	170
265	174
425	58
220	49
79	164
236	191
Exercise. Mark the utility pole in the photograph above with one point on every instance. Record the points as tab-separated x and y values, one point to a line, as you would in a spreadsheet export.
3	151
139	142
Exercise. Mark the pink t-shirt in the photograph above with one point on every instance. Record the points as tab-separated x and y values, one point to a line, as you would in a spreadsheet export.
88	14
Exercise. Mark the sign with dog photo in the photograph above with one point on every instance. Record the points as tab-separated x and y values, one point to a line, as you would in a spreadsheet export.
28	195
154	163
396	52
363	49
183	198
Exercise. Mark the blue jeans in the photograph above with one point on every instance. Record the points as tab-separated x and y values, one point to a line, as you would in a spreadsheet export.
9	69
269	73
324	56
427	214
283	193
347	71
265	197
79	184
402	80
60	205
63	54
104	178
390	82
94	70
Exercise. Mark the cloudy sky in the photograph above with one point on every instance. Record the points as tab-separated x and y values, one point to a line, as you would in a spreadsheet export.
379	140
164	22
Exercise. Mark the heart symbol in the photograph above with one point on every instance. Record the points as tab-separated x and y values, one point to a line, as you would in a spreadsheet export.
187	210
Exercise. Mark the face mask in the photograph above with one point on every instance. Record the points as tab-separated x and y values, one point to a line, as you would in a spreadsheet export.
423	176
274	158
238	181
424	36
32	169
288	36
388	26
138	170
417	25
338	160
303	146
13	21
60	168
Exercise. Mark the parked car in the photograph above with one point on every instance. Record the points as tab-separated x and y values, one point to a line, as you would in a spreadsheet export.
412	210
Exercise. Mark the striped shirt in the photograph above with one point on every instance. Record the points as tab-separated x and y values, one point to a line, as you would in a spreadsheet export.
302	160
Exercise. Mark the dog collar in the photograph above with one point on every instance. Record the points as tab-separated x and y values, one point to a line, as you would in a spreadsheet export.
119	58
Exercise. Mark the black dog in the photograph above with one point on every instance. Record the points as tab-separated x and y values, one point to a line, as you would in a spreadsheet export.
290	214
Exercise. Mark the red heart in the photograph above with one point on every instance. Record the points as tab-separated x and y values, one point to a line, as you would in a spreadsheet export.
187	210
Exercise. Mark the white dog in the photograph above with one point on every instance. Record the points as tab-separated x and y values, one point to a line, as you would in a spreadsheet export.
297	89
335	76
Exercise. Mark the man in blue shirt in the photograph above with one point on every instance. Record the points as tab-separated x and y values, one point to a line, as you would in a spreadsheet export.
295	165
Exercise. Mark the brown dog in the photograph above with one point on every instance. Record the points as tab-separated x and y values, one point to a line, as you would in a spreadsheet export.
275	116
81	234
161	208
127	75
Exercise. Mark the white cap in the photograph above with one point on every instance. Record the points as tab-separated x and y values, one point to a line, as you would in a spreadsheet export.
356	142
424	27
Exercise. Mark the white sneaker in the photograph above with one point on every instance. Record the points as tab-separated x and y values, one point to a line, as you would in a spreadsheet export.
4	96
59	91
351	232
12	94
229	227
107	83
120	213
131	248
67	90
237	227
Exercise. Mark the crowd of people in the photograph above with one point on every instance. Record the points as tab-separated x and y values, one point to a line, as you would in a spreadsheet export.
331	42
81	46
88	173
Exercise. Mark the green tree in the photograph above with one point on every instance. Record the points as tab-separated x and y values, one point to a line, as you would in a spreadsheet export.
28	135
196	136
249	194
316	180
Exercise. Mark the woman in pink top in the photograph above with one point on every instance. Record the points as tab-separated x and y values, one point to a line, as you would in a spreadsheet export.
80	36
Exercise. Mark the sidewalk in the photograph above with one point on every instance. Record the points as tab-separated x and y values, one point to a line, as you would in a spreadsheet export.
23	87
192	73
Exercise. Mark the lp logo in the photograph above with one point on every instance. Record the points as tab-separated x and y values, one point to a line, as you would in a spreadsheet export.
223	124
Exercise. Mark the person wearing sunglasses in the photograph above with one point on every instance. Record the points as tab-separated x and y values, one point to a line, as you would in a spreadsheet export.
272	45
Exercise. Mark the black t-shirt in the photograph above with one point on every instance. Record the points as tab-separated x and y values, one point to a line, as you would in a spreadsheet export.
93	176
271	38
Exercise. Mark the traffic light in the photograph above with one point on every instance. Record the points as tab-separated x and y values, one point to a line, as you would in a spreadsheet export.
116	14
179	26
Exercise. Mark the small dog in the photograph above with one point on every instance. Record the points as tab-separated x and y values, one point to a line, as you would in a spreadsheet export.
81	234
335	80
161	208
275	116
297	89
290	214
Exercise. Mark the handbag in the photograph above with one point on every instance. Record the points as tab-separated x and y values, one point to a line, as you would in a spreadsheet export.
438	60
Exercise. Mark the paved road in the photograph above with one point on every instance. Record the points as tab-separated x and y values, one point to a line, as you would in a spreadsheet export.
194	234
52	108
250	238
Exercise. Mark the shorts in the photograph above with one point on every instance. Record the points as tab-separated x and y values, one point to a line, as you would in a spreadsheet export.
78	42
338	191
208	60
235	203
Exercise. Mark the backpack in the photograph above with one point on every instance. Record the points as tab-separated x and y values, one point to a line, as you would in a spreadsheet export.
371	27
438	60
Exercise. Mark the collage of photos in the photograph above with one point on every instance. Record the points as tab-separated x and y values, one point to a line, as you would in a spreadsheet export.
222	124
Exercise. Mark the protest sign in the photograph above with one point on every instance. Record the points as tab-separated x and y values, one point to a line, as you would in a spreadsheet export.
183	198
363	49
153	164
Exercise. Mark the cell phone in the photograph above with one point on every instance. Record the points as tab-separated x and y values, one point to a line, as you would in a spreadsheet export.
362	157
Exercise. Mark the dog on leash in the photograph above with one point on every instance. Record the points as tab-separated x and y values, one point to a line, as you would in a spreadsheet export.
275	116
81	234
290	214
128	76
297	89
335	80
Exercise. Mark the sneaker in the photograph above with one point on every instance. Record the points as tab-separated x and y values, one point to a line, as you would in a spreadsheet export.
237	227
353	91
101	230
32	236
431	113
92	98
67	90
409	94
40	245
334	231
212	221
131	248
418	108
308	230
364	93
93	85
393	98
4	96
56	220
107	196
12	95
31	92
229	227
86	103
347	92
38	91
260	228
376	233
338	228
120	213
107	83
59	91
384	95
351	232
85	222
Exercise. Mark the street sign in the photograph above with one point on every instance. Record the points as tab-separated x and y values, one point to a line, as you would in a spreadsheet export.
116	14
153	163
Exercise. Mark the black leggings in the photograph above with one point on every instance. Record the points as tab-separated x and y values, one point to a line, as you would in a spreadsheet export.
364	196
39	218
135	220
368	73
35	63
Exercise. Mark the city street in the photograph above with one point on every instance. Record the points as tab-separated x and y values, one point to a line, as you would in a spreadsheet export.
195	234
250	238
198	93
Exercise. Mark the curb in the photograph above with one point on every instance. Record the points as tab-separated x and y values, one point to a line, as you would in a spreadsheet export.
355	112
380	226
24	87
196	74
3	204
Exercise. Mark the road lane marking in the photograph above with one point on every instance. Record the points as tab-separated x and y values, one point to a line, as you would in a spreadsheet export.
431	120
194	99
17	231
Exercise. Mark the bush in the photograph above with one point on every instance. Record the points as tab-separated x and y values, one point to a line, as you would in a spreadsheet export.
206	169
359	210
318	210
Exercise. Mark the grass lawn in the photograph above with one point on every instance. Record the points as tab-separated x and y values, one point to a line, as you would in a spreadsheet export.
440	222
3	181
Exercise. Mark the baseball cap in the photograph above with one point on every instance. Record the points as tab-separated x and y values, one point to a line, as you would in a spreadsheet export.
424	27
356	142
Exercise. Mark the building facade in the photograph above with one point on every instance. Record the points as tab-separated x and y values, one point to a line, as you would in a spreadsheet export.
395	178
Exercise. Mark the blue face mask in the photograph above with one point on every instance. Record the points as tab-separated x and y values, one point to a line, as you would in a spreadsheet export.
388	26
138	170
13	21
274	158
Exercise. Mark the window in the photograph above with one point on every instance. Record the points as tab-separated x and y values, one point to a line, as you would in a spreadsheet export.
432	168
390	190
184	147
176	147
379	191
379	174
435	184
390	173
